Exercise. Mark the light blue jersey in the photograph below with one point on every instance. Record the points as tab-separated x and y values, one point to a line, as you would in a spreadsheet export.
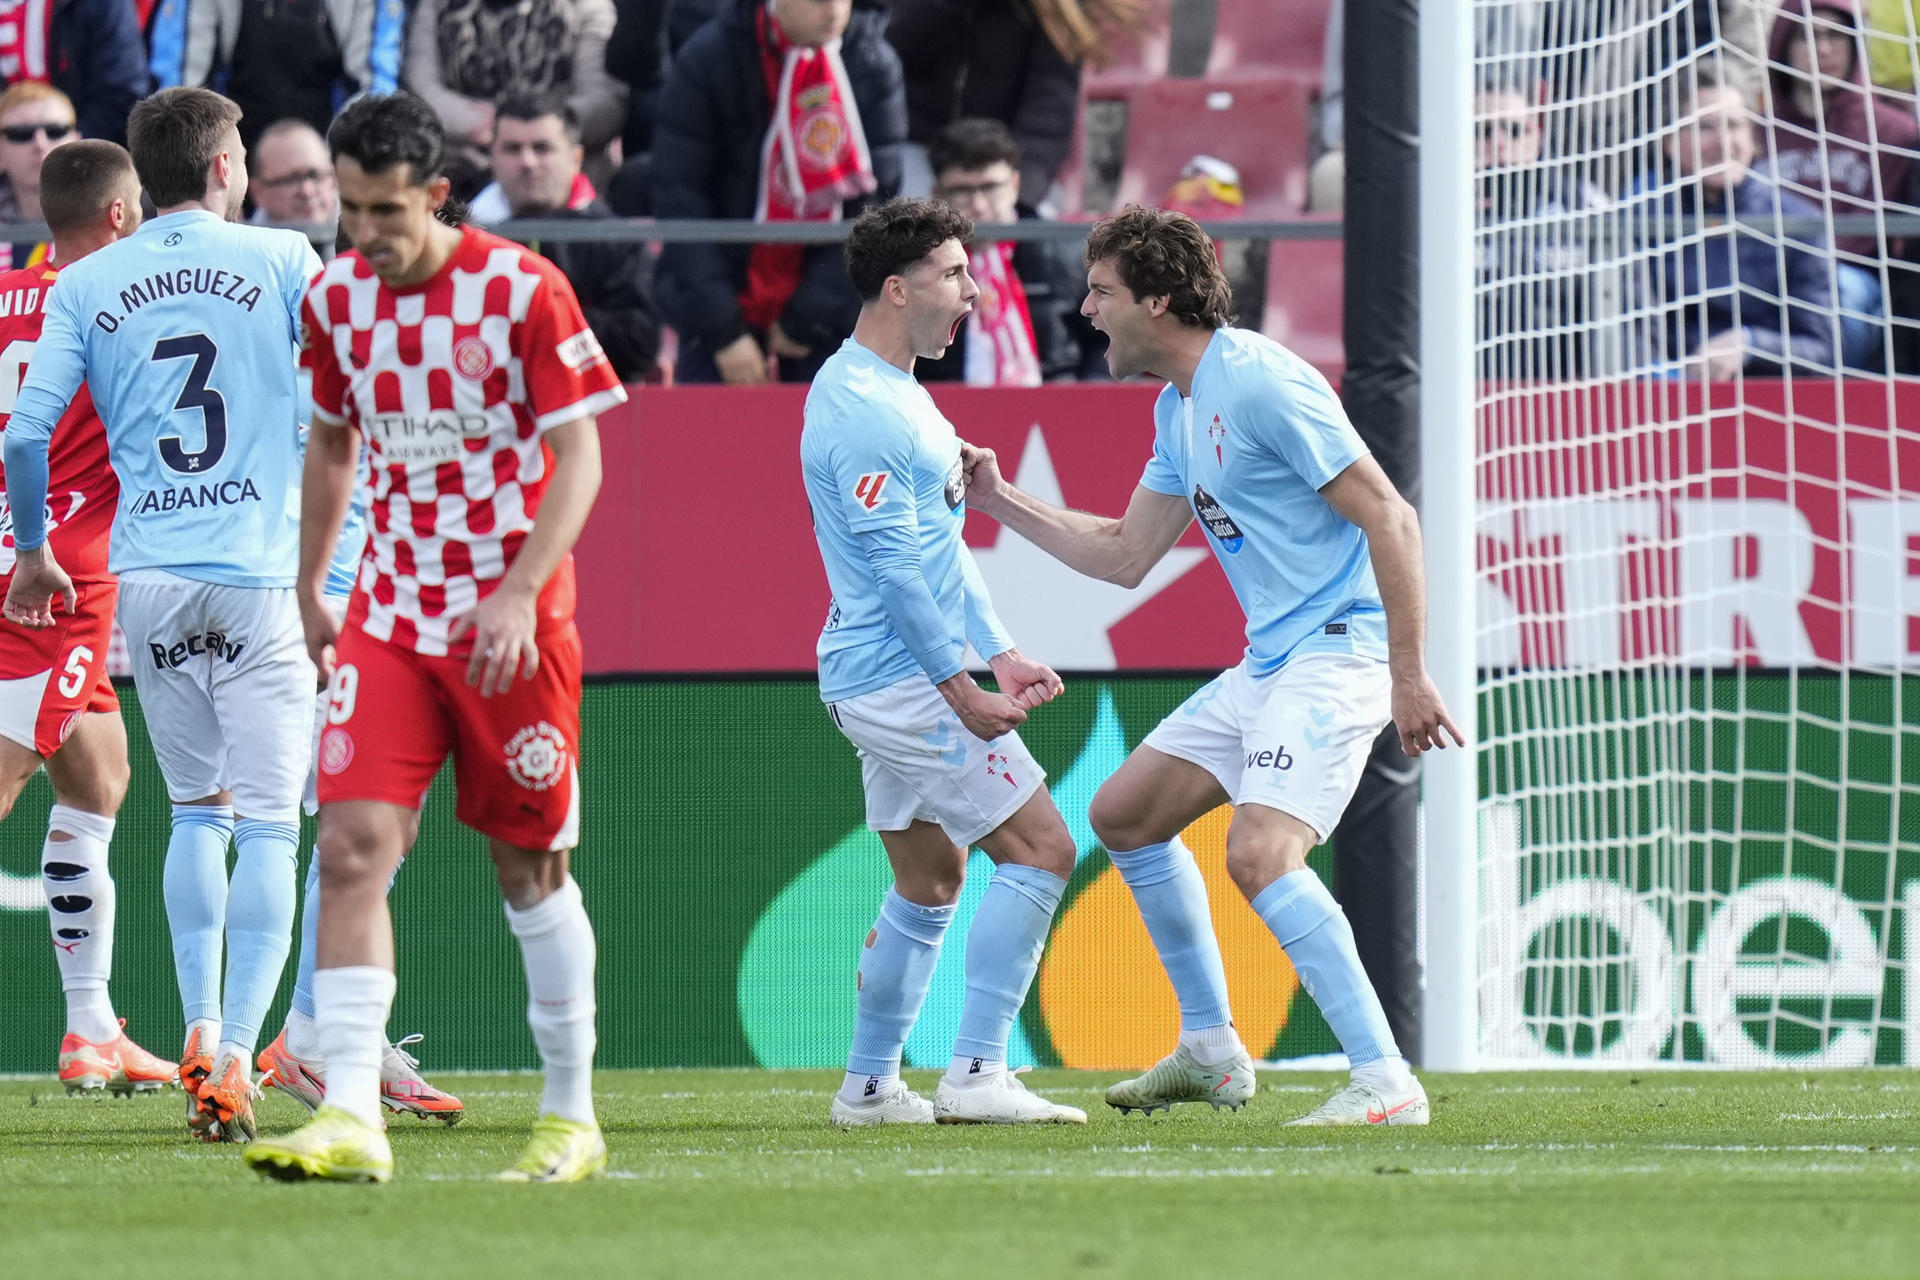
1250	450
186	331
344	569
882	470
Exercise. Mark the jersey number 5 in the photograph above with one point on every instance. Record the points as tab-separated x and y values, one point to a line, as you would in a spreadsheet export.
196	394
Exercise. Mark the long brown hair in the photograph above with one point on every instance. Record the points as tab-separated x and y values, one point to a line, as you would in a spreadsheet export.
1081	29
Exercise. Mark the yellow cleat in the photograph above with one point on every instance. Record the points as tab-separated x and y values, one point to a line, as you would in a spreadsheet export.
560	1151
334	1146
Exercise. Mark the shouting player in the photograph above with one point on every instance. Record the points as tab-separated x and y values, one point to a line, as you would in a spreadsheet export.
942	766
1324	556
57	705
465	362
186	333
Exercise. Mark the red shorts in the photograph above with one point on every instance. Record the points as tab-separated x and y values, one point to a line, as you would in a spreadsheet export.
49	678
394	715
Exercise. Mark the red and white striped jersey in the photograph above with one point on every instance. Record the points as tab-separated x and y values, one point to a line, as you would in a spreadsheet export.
452	382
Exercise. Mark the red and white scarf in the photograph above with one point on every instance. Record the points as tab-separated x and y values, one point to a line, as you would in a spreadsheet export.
815	155
24	28
1000	350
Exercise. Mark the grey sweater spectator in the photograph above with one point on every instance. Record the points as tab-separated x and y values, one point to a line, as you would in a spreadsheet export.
536	159
465	55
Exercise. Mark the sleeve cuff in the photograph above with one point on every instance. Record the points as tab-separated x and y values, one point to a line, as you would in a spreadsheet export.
598	402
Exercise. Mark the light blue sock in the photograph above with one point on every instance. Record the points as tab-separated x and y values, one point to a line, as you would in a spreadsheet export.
309	957
1166	886
895	971
1004	943
194	886
259	925
1314	932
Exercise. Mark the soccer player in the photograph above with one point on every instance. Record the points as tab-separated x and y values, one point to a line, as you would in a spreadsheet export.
57	705
942	766
464	361
1325	559
186	333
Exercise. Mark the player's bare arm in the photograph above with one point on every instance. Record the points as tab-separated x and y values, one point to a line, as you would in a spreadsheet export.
326	491
503	624
1120	551
1363	494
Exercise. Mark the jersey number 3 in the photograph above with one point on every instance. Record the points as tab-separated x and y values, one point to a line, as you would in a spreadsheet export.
196	394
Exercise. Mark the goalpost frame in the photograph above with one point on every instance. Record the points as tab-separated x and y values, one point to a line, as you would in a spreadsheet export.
1448	455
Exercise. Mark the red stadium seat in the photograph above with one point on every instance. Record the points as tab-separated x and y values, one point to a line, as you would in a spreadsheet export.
1282	35
1258	125
1305	303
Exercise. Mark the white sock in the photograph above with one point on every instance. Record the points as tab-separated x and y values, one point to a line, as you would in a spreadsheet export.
1213	1045
858	1089
350	1008
80	913
239	1053
209	1030
1387	1075
971	1071
303	1036
556	942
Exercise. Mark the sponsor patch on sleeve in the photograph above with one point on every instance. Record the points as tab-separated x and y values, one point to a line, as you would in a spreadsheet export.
867	489
580	351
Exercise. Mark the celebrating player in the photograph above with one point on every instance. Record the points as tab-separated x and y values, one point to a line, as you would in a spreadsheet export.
942	765
465	361
1325	559
186	333
57	705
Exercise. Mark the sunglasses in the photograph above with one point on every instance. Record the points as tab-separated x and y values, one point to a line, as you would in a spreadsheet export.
25	132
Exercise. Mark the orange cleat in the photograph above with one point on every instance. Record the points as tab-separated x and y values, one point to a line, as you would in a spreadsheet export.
119	1066
226	1104
301	1079
196	1064
402	1088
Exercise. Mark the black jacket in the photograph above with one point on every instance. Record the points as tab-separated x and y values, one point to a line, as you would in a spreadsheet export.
98	59
988	58
611	280
1065	341
714	113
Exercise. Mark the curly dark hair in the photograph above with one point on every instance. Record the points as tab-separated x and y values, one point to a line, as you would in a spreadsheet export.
380	130
889	238
1163	254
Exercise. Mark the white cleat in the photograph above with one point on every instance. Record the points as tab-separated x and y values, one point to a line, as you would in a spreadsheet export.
1181	1077
1363	1104
896	1104
1002	1098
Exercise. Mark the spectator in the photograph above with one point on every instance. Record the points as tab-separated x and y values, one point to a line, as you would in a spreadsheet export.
724	148
536	160
1534	258
281	59
90	50
290	180
1836	143
1733	297
1015	61
34	119
465	55
1026	325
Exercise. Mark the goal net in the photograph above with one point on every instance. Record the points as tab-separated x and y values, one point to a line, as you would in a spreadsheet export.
1698	477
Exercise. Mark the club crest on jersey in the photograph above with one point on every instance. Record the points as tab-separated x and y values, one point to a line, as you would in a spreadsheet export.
867	490
472	358
1217	432
1218	522
537	756
336	750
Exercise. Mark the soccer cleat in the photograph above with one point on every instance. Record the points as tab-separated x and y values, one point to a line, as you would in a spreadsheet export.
402	1089
301	1079
333	1146
1002	1098
119	1066
559	1151
196	1064
1363	1104
226	1103
895	1104
1181	1077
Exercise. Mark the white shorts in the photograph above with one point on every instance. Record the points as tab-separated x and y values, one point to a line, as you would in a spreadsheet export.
1296	740
225	686
918	761
310	799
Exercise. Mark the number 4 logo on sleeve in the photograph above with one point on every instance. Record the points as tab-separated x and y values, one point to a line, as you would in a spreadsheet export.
867	488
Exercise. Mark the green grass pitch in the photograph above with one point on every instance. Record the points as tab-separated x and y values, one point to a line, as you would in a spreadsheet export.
736	1173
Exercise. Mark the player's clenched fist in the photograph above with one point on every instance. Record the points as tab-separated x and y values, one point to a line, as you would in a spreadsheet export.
1027	682
981	467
